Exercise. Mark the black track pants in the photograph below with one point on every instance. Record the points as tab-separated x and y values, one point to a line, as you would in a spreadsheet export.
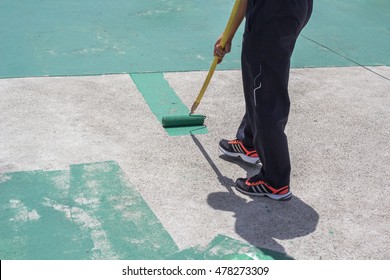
266	52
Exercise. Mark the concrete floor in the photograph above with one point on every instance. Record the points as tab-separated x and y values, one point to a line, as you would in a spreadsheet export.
338	133
60	111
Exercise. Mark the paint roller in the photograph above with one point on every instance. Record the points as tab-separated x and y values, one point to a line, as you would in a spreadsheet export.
192	119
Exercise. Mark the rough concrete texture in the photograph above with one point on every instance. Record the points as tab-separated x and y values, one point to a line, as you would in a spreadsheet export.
339	142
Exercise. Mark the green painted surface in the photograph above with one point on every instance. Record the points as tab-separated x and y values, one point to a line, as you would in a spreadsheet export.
122	221
163	101
358	32
92	212
73	37
58	37
30	226
226	248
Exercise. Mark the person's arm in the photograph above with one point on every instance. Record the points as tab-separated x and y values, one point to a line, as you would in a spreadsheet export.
218	51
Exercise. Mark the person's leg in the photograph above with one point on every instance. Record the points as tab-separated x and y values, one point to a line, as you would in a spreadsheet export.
241	147
265	66
244	132
265	71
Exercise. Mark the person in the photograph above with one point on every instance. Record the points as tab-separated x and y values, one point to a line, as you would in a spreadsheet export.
271	30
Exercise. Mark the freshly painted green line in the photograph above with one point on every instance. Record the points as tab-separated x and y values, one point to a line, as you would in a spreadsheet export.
163	101
93	212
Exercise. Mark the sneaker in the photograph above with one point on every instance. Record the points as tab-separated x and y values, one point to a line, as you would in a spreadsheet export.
257	186
235	148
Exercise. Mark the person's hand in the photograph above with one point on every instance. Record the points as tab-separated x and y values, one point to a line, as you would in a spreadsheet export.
219	51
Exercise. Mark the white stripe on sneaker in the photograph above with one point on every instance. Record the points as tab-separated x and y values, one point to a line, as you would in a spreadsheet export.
251	160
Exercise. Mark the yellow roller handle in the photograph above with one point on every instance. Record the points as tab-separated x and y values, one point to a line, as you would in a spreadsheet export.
224	39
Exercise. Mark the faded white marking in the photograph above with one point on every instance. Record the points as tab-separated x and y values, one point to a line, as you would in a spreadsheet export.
61	181
93	203
147	13
200	57
89	51
52	52
119	50
22	213
159	12
102	247
4	178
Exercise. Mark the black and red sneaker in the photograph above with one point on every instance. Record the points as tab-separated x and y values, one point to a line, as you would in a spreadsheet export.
257	186
235	148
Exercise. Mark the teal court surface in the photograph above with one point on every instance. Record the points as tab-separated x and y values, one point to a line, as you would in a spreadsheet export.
88	172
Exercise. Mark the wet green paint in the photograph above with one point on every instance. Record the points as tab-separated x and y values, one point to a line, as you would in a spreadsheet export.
98	37
163	101
91	211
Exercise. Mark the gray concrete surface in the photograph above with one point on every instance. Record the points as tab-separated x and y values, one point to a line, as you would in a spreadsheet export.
338	132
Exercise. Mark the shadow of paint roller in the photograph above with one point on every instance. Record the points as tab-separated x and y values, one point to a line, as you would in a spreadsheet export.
192	119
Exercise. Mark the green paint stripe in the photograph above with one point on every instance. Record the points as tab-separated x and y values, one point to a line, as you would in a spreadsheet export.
163	101
127	228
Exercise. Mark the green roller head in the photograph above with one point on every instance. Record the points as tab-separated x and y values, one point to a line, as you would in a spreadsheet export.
183	120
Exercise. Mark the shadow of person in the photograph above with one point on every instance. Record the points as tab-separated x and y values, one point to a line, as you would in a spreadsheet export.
261	221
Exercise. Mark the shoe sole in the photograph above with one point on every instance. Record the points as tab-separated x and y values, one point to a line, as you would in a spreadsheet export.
277	197
245	158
